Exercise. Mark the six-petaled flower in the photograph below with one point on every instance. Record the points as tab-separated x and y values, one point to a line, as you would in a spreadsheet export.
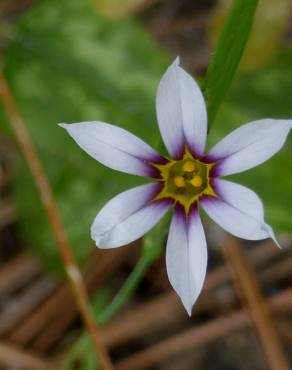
184	182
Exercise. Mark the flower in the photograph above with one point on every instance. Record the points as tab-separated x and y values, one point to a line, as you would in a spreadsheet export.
189	179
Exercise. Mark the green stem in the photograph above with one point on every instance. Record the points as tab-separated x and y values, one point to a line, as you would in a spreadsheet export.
228	54
153	246
127	289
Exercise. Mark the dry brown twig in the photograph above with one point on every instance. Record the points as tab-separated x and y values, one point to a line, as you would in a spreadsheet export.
94	278
150	316
199	335
7	213
285	329
11	356
259	255
18	272
46	194
249	292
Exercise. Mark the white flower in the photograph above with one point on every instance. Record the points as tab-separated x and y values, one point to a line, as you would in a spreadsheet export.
189	179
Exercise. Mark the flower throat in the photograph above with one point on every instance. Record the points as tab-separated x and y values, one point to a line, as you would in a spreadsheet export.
185	180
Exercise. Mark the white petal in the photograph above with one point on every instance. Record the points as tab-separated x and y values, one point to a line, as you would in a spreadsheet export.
194	112
238	210
186	257
114	147
128	216
250	145
181	112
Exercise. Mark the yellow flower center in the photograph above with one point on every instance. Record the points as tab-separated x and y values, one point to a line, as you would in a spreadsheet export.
185	180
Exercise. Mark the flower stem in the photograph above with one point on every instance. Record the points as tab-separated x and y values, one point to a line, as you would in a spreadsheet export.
126	290
228	54
153	246
54	217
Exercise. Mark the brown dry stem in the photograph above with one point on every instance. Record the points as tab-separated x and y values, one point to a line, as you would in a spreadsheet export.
51	208
251	296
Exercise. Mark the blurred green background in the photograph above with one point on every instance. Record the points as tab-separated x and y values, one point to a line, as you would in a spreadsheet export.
81	60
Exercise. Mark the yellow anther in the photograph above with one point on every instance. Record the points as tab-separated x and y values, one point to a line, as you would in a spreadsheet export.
189	166
196	181
179	181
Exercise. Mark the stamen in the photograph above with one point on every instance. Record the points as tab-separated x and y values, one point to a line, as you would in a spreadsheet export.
179	181
189	166
196	181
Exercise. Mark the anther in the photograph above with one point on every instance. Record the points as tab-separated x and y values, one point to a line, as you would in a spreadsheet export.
189	166
196	181
179	181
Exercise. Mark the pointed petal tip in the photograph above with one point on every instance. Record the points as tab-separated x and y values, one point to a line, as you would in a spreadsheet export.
63	125
271	235
277	244
176	61
189	310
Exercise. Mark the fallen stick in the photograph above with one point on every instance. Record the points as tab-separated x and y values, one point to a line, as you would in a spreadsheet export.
12	357
150	316
144	318
54	217
199	335
259	255
43	323
249	291
7	213
20	306
17	273
100	270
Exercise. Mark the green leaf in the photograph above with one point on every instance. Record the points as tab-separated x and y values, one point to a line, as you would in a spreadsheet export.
267	32
228	54
265	94
82	355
